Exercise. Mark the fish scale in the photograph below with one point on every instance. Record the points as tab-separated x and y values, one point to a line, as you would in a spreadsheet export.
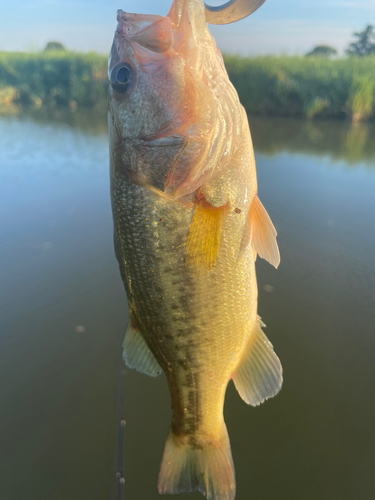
175	320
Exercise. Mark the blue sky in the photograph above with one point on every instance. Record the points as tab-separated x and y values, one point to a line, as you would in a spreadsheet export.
279	26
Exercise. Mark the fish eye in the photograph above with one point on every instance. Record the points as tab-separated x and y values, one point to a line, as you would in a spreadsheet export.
121	77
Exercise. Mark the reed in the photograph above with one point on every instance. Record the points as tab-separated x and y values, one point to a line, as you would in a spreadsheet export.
55	78
305	86
308	87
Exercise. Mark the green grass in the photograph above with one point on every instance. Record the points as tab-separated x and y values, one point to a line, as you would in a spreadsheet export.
304	86
361	98
55	78
285	86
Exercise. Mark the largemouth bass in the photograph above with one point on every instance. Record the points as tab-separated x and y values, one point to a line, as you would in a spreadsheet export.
188	227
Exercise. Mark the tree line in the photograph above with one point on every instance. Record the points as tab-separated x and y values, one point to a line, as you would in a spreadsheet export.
364	45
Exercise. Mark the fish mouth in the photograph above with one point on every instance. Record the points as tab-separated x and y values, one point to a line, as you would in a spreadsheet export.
132	24
150	31
140	40
170	140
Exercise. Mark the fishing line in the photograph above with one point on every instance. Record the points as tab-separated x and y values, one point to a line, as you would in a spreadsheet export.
121	423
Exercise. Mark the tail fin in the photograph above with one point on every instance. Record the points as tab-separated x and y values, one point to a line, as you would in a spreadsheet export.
205	466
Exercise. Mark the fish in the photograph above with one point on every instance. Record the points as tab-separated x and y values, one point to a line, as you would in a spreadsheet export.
188	227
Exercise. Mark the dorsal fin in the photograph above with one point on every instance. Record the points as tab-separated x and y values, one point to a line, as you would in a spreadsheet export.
262	233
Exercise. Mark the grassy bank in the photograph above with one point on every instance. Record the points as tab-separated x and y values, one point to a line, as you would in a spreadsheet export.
305	86
284	86
54	79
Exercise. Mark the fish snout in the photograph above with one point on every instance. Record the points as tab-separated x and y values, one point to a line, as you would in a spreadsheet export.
150	32
131	24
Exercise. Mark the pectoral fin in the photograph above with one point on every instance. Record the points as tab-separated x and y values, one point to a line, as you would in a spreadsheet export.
205	235
259	375
137	354
262	233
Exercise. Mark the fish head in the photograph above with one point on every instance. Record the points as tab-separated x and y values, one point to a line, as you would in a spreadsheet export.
166	77
136	72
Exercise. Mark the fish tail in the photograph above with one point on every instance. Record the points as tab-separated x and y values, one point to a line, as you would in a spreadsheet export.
203	465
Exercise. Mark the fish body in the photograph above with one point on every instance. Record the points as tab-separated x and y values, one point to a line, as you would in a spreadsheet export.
188	225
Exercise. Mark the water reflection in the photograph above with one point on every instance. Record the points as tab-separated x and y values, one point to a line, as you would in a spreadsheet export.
63	317
339	140
353	143
91	121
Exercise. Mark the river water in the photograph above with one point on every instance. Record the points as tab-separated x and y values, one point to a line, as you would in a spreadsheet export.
63	315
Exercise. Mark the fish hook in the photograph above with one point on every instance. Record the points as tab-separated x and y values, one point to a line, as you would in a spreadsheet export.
232	11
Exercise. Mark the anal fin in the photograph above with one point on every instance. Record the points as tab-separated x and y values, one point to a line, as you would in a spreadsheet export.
259	375
137	354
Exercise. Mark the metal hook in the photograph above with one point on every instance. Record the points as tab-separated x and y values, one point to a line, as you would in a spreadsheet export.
232	11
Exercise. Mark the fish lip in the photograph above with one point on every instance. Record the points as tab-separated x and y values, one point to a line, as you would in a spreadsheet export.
120	15
123	29
129	25
151	32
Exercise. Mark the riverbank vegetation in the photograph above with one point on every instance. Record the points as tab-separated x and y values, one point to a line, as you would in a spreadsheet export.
54	78
307	87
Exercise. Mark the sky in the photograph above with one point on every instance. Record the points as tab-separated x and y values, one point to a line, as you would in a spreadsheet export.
278	27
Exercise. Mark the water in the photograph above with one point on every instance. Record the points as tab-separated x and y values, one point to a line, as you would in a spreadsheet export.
63	317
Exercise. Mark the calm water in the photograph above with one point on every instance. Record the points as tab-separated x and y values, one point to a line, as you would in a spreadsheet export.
63	317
